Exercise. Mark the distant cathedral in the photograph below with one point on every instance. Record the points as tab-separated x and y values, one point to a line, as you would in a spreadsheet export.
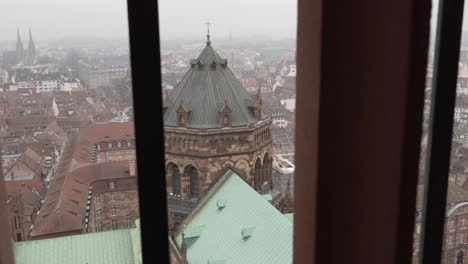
25	57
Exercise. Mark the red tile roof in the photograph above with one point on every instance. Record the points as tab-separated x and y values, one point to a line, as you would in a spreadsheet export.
65	203
37	184
109	132
31	160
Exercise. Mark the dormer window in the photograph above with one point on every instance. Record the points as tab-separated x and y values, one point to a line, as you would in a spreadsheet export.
223	63
194	63
182	115
181	118
200	66
225	115
213	65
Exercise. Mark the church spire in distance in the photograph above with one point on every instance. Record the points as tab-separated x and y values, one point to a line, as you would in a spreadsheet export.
31	49
18	37
19	47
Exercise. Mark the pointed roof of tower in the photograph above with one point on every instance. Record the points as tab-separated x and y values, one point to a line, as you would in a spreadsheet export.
31	41
55	109
204	89
18	39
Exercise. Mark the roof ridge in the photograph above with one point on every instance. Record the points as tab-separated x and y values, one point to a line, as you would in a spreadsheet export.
237	99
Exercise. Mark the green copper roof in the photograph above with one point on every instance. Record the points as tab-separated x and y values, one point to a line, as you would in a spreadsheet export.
268	197
247	230
116	247
290	217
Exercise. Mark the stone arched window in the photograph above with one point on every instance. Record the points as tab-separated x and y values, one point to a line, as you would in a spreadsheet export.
460	258
174	177
257	174
192	174
267	169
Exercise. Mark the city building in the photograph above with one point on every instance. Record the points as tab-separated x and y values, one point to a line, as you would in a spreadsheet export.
114	203
101	72
28	166
24	200
95	185
212	124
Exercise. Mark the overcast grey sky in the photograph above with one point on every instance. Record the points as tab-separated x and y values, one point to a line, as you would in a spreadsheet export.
179	18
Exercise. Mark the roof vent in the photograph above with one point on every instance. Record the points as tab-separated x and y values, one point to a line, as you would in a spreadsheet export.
193	232
247	232
221	204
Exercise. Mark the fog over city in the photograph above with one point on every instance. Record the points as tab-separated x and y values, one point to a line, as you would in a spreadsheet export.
179	19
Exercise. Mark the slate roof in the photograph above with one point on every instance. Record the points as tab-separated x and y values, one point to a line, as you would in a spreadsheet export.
216	234
204	89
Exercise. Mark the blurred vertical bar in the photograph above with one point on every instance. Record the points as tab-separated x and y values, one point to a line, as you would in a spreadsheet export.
447	53
6	243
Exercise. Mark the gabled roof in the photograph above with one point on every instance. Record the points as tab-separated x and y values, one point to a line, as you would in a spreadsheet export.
64	207
30	160
204	89
235	224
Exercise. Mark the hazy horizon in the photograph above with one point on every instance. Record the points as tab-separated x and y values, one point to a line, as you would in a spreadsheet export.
52	20
104	20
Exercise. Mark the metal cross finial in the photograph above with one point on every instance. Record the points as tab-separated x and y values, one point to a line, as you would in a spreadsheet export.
208	42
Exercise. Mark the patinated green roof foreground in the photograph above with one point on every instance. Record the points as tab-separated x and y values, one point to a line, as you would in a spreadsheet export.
116	247
234	224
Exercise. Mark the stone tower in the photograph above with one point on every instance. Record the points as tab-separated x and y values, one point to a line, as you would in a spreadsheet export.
211	124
